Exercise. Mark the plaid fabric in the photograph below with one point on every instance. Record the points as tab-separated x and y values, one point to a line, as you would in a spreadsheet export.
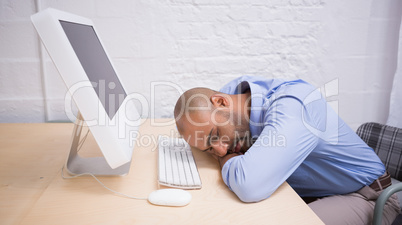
387	143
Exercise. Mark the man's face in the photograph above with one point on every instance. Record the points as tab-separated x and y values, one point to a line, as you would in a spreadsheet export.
217	132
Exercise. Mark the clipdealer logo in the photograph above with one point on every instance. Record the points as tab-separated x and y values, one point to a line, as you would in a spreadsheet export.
131	108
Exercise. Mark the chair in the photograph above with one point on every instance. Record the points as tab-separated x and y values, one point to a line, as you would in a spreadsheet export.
387	143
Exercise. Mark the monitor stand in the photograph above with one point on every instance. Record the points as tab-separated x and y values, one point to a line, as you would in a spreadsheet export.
95	165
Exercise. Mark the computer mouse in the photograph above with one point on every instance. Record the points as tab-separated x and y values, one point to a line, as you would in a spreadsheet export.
170	197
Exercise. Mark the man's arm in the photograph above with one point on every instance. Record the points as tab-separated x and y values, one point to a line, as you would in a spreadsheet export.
281	147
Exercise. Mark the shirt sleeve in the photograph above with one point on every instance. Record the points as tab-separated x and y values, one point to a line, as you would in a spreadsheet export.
282	146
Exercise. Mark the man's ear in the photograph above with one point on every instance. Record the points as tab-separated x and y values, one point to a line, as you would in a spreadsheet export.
220	100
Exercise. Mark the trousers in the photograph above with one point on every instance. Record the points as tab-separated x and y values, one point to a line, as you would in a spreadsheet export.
355	208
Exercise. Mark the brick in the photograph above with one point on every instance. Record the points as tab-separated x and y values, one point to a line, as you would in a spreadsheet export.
227	29
119	37
181	66
22	111
232	46
117	8
301	45
12	10
20	80
81	8
245	13
202	30
18	40
306	3
202	14
256	64
221	65
200	48
295	29
267	46
254	30
181	31
181	2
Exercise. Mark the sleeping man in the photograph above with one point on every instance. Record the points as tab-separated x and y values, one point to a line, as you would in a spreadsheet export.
264	132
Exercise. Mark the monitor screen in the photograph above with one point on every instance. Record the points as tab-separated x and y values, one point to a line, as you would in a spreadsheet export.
96	64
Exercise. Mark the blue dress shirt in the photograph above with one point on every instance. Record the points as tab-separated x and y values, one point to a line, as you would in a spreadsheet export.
299	139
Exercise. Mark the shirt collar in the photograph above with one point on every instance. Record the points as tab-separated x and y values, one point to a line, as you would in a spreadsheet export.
257	102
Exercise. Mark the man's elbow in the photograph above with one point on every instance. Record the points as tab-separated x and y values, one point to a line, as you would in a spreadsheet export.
252	194
247	188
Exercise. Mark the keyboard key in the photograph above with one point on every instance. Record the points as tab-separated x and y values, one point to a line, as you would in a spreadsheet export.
168	166
187	170
162	166
183	180
196	179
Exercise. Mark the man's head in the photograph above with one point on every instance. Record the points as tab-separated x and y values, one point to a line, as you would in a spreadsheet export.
214	122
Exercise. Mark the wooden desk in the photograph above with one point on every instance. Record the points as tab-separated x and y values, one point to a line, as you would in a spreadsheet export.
33	192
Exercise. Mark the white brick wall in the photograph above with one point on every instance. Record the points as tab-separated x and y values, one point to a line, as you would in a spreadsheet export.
206	43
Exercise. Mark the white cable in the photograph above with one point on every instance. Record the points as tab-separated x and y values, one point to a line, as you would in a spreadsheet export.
80	144
90	174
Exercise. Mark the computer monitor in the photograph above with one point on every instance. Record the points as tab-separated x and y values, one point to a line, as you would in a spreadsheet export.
104	106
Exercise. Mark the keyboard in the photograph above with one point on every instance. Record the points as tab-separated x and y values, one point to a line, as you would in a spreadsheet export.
176	165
